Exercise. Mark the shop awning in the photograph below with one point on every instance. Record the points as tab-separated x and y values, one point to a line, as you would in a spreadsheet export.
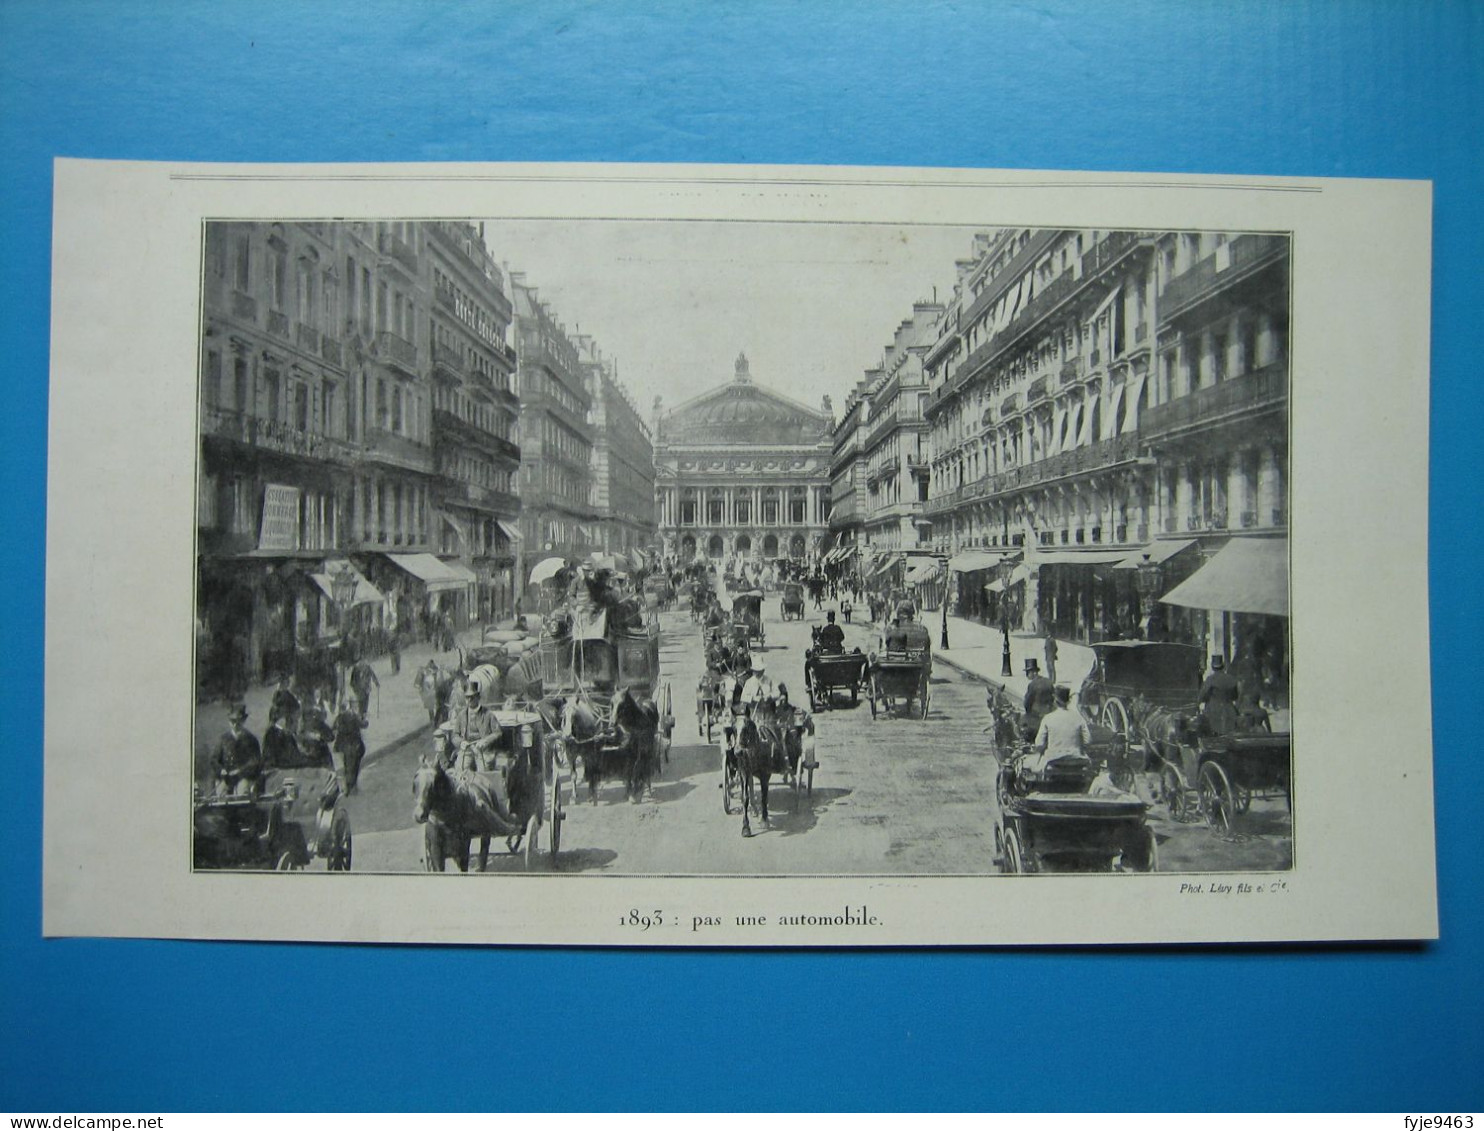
463	571
509	530
435	575
1247	575
922	571
972	561
1074	557
1159	552
884	564
365	592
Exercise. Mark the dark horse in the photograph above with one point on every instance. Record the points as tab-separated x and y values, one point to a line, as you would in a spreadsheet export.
455	809
764	748
630	749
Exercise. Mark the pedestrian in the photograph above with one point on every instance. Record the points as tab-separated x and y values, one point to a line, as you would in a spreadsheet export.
238	760
394	649
1050	650
285	706
362	679
1040	699
349	746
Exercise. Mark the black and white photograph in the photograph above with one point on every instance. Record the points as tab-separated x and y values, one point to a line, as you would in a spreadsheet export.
715	557
527	545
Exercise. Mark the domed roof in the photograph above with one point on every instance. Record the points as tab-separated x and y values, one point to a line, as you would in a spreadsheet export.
741	412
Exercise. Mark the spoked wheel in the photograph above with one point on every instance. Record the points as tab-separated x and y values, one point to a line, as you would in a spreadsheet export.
927	697
339	856
1012	856
1173	788
1114	716
432	848
1243	798
1141	854
730	783
556	819
1217	802
533	829
290	851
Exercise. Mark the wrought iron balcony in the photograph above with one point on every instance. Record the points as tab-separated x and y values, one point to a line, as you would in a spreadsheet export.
448	361
278	323
392	449
1036	390
397	351
1252	392
1071	370
275	436
1244	256
398	249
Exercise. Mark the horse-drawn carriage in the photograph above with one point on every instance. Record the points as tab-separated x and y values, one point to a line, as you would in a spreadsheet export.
659	591
266	829
747	612
603	693
506	784
792	602
1219	776
772	738
902	673
827	671
1065	817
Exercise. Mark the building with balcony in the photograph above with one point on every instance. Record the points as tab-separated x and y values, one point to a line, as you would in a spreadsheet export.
476	413
894	450
623	461
1097	395
743	472
357	412
848	481
558	516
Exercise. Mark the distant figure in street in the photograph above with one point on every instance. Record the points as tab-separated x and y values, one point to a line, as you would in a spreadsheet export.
1040	699
1218	700
349	747
239	758
394	650
1050	656
285	705
280	748
432	689
362	679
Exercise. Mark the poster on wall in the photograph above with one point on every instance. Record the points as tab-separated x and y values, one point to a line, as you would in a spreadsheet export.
703	556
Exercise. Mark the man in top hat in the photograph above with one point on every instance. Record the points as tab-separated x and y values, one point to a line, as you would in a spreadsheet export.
238	758
1218	699
474	724
831	636
1040	699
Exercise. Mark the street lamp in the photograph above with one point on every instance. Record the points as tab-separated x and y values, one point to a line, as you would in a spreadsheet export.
946	580
1006	570
1148	581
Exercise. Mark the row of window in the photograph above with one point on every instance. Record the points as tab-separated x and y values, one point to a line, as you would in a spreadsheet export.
472	313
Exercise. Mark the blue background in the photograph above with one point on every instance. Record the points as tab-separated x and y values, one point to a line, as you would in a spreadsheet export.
1353	88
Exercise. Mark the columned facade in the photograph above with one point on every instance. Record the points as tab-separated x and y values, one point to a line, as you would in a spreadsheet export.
742	472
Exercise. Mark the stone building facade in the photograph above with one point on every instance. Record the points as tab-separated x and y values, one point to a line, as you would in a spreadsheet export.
743	472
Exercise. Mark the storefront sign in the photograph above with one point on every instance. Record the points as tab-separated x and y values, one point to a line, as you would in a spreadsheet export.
280	528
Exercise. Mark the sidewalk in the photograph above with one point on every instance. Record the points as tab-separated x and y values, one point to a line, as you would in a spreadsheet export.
977	651
396	710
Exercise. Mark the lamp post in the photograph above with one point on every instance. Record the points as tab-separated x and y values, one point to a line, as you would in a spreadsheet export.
343	593
947	580
1005	569
1148	581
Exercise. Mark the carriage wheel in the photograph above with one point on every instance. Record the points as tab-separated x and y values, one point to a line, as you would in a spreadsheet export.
533	829
1216	798
1173	788
701	717
290	851
728	783
556	819
339	856
1242	796
1012	858
432	848
1115	717
927	696
1142	853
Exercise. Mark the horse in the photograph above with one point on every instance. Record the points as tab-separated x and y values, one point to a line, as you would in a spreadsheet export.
455	809
628	747
762	751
